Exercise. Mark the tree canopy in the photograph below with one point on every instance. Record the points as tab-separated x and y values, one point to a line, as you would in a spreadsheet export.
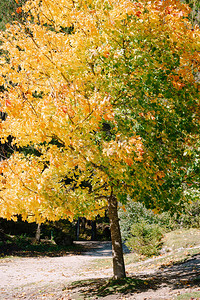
96	89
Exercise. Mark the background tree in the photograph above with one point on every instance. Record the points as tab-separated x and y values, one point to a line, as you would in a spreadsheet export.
106	93
195	11
10	10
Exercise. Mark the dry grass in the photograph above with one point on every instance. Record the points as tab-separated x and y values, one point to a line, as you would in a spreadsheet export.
184	238
189	296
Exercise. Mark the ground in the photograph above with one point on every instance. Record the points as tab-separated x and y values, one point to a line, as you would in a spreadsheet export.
87	276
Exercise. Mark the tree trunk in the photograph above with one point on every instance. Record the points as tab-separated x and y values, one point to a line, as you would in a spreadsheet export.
38	232
78	229
94	231
117	251
83	223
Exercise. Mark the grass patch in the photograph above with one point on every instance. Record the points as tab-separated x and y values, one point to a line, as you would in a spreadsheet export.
184	238
168	259
189	296
101	264
106	263
102	287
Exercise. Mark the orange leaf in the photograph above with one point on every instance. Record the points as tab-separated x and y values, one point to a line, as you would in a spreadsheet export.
129	161
19	10
8	102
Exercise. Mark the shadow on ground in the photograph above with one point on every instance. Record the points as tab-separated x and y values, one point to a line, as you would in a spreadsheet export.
177	276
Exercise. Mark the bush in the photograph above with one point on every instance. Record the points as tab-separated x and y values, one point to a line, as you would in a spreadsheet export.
142	229
136	213
145	238
190	216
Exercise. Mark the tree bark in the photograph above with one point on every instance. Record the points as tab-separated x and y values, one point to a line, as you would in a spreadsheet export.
117	251
38	232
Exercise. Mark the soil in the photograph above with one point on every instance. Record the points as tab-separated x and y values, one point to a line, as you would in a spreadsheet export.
51	278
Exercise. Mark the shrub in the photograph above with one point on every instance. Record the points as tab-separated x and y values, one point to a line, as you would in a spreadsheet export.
136	213
190	217
145	238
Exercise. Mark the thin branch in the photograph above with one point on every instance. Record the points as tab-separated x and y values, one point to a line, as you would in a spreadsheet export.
100	187
31	105
21	180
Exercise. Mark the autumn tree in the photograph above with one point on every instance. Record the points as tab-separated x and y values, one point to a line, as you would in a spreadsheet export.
105	95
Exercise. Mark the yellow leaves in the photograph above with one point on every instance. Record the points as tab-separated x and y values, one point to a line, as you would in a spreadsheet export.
126	150
29	191
124	8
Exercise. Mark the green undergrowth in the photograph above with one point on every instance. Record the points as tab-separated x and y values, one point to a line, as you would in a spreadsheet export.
145	239
143	231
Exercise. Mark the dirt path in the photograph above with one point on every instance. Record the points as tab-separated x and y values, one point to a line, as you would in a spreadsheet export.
48	277
25	276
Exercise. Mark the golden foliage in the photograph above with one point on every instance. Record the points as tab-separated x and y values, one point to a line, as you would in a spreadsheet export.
56	88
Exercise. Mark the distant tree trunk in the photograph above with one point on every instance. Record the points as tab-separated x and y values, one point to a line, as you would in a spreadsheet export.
38	232
117	251
77	229
94	231
4	237
83	223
